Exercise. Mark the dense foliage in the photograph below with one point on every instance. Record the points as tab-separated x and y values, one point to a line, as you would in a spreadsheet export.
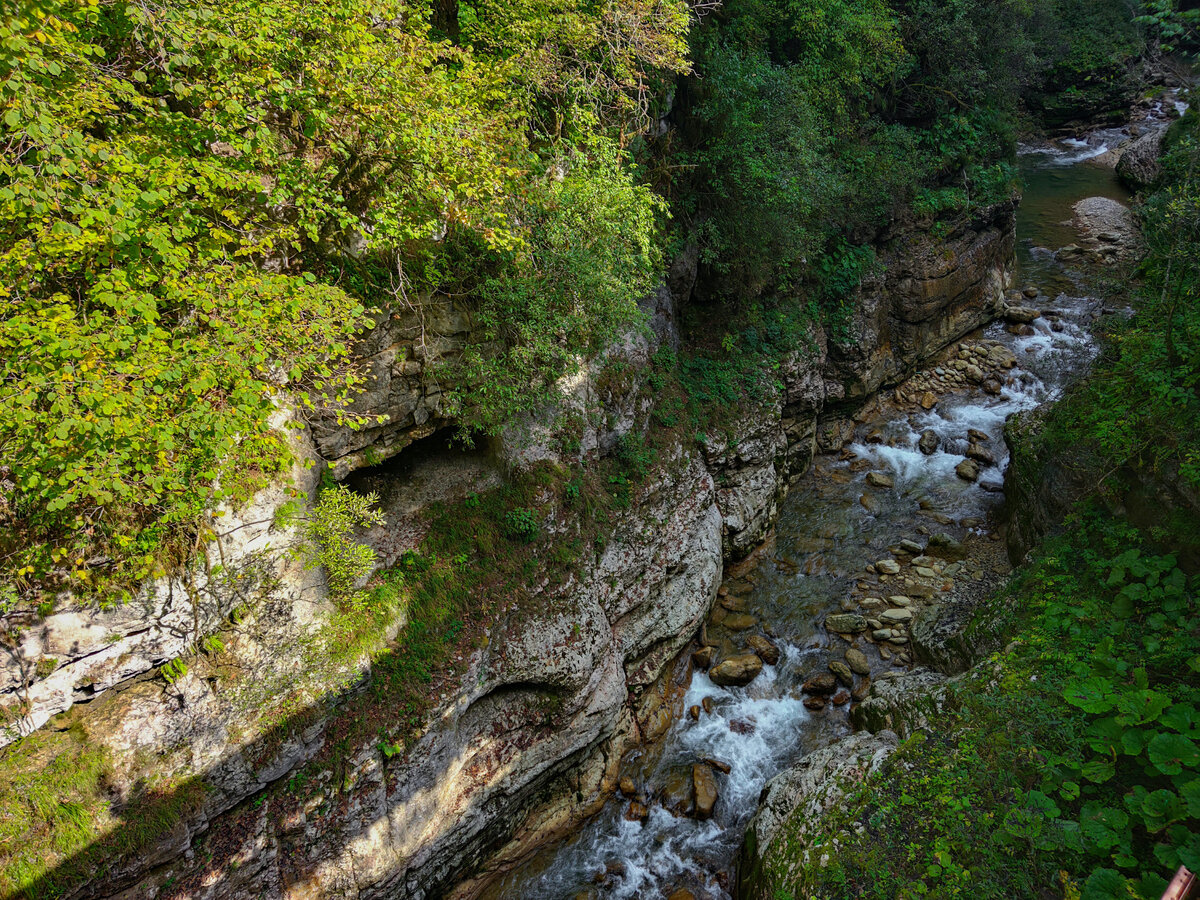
199	202
202	204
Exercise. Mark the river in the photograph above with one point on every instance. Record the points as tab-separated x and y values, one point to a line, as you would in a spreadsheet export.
831	527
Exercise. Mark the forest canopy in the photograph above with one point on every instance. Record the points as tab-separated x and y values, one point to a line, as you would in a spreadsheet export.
202	205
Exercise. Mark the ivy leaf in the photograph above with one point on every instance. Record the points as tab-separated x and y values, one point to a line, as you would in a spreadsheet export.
1172	753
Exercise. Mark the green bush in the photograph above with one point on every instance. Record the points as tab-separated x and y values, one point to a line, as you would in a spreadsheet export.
329	537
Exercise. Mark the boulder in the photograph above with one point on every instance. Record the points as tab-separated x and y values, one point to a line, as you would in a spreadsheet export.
978	437
1021	315
737	671
765	649
981	454
842	672
928	400
845	623
739	621
704	790
929	442
879	480
703	657
1139	167
858	663
943	546
822	683
967	470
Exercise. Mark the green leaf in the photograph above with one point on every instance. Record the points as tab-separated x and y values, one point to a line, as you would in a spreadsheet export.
1104	884
1093	695
1172	753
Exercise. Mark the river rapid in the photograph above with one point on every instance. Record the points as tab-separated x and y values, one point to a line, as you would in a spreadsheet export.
832	528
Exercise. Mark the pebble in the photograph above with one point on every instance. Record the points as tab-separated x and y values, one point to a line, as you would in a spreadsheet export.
911	547
897	615
888	567
899	600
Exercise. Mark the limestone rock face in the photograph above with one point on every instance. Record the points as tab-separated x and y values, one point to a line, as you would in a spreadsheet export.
801	794
903	703
528	741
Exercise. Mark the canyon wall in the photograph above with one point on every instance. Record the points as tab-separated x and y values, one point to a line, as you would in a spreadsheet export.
526	744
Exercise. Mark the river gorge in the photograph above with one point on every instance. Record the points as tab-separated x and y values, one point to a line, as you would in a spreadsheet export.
522	617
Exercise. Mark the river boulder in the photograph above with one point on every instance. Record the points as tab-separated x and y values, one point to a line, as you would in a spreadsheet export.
1139	165
845	623
704	790
736	671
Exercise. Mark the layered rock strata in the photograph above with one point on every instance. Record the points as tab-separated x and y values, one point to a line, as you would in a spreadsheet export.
527	743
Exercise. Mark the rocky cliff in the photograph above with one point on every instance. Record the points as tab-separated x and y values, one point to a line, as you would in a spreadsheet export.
526	742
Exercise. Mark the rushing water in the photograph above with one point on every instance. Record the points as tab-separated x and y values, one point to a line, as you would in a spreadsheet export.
824	538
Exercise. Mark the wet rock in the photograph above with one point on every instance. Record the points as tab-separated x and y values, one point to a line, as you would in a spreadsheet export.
741	726
637	812
900	599
1021	315
615	868
845	623
682	894
928	400
1030	291
858	663
709	705
814	703
765	649
896	615
887	567
992	386
703	657
977	436
704	790
861	692
967	470
628	788
879	480
870	503
974	374
739	621
928	444
911	547
943	546
981	454
841	698
723	767
694	712
881	634
737	671
733	603
823	683
842	673
992	486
